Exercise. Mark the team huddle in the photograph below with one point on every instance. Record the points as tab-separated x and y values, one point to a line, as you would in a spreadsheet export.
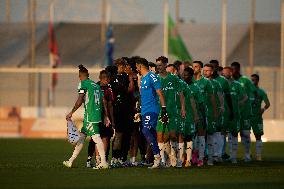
177	115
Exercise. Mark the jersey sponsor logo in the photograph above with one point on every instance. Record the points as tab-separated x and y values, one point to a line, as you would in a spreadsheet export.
169	87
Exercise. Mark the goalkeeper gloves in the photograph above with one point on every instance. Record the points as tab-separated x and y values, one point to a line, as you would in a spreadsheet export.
164	116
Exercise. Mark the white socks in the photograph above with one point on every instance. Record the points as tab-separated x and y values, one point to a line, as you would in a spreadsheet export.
201	147
180	150
132	159
195	142
167	148
188	150
210	143
78	148
173	148
230	143
246	142
218	144
162	151
100	146
234	147
258	147
221	145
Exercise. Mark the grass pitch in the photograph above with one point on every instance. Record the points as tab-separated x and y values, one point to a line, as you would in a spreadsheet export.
38	164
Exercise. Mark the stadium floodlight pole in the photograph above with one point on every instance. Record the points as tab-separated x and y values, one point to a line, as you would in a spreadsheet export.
103	21
51	57
224	33
108	14
33	51
8	10
166	28
281	87
251	38
177	13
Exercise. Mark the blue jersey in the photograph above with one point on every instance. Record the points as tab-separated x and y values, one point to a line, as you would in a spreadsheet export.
149	98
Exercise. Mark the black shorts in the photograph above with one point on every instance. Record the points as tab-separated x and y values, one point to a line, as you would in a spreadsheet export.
123	120
105	131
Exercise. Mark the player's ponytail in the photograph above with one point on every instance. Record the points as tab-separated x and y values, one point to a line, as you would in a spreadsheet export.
83	70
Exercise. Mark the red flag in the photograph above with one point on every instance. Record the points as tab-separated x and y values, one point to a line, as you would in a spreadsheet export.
54	54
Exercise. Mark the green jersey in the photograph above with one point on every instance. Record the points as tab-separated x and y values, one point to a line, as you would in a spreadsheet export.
256	105
171	86
225	88
92	100
250	91
237	93
188	95
183	86
217	90
206	90
196	94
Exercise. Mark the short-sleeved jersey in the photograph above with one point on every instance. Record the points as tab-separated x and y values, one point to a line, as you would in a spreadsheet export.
206	89
225	88
237	93
250	90
196	93
107	91
108	94
188	94
183	86
217	90
171	86
197	96
92	100
256	105
149	98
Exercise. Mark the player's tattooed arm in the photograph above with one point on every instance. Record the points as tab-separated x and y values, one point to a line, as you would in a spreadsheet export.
77	105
